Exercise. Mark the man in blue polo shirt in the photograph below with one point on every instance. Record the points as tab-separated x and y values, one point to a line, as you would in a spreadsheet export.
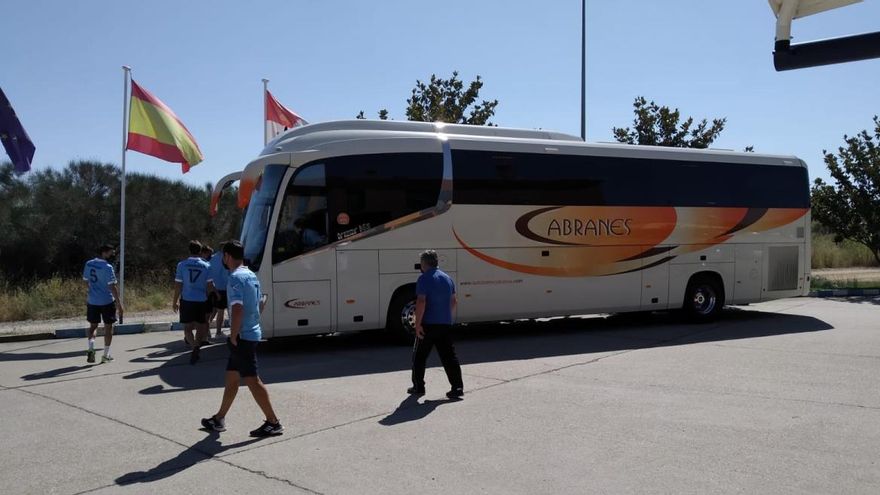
103	300
190	297
245	305
218	279
435	303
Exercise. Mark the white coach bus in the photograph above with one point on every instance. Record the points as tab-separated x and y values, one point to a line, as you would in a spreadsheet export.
529	224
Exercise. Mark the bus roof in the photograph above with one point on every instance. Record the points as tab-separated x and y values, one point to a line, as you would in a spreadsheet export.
359	129
313	135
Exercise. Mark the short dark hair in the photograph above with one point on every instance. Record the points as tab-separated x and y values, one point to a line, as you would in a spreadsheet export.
207	249
235	249
429	257
195	247
105	248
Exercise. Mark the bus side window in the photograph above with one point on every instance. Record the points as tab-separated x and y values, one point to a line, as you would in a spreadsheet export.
302	221
368	191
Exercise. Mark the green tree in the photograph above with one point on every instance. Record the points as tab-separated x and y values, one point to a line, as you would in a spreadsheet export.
54	219
447	100
850	208
660	126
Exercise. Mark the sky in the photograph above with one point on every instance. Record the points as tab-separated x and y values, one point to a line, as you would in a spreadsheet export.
60	66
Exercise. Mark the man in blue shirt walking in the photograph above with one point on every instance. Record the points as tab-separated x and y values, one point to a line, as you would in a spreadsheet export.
103	300
245	303
435	303
218	279
191	296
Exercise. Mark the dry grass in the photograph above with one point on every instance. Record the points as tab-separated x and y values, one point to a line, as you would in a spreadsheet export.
63	297
847	254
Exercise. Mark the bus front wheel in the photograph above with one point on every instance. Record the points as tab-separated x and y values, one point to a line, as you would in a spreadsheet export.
703	299
402	314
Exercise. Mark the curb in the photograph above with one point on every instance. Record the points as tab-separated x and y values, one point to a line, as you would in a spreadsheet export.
26	337
130	329
78	333
844	292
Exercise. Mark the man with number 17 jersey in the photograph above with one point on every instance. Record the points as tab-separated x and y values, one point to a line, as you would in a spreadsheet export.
191	290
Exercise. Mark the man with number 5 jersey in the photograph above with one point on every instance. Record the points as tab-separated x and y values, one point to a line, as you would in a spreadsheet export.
103	301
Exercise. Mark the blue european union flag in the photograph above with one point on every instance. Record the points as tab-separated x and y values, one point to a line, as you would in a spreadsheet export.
15	140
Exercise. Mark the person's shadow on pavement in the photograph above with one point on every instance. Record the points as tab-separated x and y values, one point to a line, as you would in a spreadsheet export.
69	370
203	450
411	410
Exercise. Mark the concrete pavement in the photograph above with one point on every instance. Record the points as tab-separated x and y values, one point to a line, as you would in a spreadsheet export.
779	397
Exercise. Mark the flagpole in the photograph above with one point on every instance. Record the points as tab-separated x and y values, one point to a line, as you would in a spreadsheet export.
126	74
265	133
583	69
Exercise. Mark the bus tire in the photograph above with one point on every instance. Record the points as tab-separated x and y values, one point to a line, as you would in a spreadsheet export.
703	299
402	314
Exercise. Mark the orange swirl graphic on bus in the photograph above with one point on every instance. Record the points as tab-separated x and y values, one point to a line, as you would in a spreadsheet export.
613	240
572	262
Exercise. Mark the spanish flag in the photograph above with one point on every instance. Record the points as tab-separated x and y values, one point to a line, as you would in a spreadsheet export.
154	129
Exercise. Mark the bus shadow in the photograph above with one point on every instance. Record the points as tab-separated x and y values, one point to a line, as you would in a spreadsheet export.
313	358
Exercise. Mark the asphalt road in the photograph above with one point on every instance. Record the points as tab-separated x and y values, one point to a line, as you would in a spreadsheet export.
775	398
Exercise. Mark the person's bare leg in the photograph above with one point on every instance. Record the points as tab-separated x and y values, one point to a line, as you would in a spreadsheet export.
229	393
188	334
93	329
261	395
202	333
220	321
108	334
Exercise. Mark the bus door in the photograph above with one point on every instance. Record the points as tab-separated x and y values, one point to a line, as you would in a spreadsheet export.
304	266
377	199
358	289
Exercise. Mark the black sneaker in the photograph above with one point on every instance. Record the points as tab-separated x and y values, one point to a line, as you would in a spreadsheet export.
214	424
268	430
456	393
194	356
415	391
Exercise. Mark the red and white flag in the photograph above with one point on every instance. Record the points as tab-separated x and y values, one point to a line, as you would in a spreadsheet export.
279	118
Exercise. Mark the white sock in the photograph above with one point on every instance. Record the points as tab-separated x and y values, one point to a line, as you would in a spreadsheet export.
107	351
91	344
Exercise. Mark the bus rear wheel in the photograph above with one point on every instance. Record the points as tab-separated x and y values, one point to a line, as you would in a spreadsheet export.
402	315
703	299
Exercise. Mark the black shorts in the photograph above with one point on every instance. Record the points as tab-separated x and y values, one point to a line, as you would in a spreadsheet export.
242	357
219	299
107	312
193	312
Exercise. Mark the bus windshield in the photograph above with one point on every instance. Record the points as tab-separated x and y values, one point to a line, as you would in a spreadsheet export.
259	214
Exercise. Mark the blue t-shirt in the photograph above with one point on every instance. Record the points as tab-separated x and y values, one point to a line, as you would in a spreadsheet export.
244	289
100	276
217	274
438	288
193	273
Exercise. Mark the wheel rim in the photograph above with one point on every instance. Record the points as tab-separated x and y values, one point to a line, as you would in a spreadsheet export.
704	300
408	317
